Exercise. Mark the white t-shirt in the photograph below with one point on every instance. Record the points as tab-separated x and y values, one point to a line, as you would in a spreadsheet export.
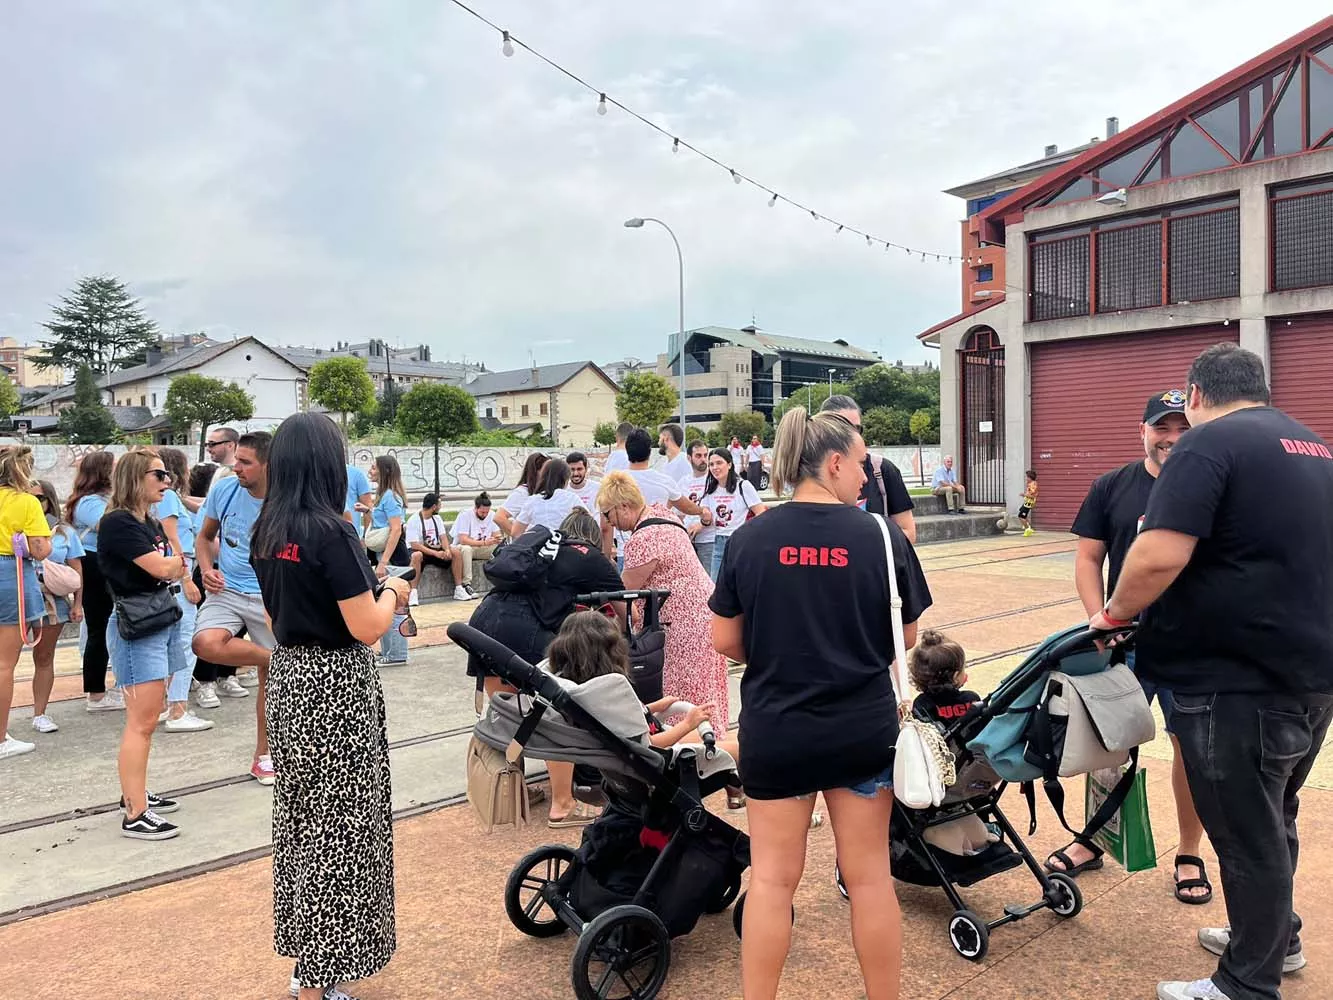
655	486
616	460
729	509
754	453
678	468
552	512
693	488
426	529
518	496
477	528
738	457
588	494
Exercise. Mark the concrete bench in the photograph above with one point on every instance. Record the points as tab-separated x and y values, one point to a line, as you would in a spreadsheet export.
438	582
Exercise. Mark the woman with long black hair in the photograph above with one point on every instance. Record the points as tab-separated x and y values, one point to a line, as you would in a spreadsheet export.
552	503
333	901
731	500
529	482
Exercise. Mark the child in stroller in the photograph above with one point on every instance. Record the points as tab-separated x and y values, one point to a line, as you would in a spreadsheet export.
653	863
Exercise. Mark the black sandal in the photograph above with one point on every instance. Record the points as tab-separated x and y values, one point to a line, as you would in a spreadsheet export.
1192	883
1072	870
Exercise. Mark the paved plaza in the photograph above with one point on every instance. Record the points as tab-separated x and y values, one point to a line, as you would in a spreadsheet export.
85	913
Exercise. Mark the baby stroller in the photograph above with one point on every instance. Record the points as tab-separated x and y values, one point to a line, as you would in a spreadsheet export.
974	799
652	864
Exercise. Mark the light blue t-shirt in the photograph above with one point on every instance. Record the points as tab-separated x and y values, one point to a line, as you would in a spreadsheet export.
389	505
358	485
171	505
65	545
87	512
942	476
235	510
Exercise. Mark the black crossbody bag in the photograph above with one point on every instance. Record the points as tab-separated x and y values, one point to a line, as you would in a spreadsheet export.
140	615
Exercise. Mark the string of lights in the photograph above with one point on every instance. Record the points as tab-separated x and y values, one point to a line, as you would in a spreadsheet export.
509	45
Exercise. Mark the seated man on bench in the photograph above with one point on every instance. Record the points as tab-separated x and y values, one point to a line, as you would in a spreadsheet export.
428	541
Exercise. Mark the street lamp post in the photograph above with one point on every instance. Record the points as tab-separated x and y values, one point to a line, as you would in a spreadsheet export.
830	380
680	343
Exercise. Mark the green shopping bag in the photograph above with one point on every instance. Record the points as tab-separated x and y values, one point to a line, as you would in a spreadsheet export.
1127	835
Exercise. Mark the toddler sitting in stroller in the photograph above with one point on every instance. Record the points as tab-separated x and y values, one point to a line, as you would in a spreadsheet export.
938	667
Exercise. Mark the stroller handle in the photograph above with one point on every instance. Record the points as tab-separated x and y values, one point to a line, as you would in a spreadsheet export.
606	596
1086	639
506	663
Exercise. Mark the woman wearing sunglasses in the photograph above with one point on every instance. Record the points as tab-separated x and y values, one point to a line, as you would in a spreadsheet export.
62	607
333	902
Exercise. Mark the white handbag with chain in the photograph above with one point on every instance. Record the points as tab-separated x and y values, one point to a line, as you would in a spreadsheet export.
923	767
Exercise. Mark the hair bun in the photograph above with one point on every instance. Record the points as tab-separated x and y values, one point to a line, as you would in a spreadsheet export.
929	637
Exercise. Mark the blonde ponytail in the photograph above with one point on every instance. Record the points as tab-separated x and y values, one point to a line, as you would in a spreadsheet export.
16	467
803	442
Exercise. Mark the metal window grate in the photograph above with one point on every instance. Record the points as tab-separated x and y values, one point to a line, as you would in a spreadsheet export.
1303	241
1060	278
1129	267
1205	256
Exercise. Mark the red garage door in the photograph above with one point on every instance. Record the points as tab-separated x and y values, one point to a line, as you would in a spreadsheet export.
1087	404
1300	370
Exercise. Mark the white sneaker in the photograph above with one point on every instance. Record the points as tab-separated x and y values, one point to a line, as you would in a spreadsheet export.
1216	940
10	747
188	723
414	599
230	687
461	593
44	724
248	678
1200	989
112	701
207	696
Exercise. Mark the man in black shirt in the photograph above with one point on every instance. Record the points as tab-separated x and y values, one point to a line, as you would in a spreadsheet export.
1106	526
884	491
1232	567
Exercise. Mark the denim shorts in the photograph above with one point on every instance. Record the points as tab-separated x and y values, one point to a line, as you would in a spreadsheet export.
34	608
152	658
869	788
1150	690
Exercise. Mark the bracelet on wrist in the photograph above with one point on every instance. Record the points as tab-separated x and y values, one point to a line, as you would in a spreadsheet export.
1112	620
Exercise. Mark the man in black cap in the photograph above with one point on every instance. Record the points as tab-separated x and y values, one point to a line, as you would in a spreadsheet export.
1106	526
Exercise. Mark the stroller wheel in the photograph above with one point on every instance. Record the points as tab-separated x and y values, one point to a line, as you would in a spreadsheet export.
842	886
728	894
738	914
529	888
969	935
624	954
1064	898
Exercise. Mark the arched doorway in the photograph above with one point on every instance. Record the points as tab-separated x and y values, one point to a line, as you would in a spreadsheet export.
981	372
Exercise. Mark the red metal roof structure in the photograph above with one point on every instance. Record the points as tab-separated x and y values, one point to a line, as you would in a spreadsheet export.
962	315
1278	104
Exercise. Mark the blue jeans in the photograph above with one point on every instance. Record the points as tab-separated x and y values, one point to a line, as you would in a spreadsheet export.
393	645
1151	689
704	550
869	789
719	547
1246	757
179	688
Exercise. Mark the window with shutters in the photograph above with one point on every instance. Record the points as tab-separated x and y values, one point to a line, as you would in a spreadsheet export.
1302	228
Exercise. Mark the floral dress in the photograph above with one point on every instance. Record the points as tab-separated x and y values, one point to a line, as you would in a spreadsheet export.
694	670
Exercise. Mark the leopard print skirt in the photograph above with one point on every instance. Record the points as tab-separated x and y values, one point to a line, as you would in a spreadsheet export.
333	902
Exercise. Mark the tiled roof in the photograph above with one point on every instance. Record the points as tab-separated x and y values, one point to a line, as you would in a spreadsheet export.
523	380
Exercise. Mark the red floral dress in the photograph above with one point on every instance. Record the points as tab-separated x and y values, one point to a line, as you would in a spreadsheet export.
694	670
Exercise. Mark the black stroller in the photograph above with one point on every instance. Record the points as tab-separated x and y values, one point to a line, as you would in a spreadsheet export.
652	864
976	793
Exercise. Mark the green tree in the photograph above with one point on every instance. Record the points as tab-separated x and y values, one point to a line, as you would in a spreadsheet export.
88	421
9	398
197	399
922	427
342	386
490	439
387	410
885	425
647	400
742	424
692	434
604	433
812	397
99	325
716	439
888	385
438	413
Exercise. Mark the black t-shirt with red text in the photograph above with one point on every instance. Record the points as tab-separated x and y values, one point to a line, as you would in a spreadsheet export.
1252	611
305	579
817	703
946	707
122	539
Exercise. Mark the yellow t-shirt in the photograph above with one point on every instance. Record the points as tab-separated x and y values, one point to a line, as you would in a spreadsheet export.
20	513
1030	494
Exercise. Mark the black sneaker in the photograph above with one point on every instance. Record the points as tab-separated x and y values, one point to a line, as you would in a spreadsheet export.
157	803
148	826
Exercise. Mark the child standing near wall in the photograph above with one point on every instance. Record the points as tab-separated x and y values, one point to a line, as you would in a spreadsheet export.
1029	501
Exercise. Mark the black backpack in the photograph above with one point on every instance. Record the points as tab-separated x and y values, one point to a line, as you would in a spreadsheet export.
522	563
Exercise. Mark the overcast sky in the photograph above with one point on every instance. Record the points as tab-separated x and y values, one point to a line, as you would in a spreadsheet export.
310	172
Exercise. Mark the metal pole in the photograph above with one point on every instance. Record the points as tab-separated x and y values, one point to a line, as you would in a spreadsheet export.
680	344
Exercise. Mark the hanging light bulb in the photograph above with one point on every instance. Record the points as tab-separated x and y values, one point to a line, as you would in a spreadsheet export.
735	177
838	230
508	47
675	145
867	241
815	215
772	201
601	105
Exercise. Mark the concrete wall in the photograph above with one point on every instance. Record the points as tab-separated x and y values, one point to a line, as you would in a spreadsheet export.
463	471
581	404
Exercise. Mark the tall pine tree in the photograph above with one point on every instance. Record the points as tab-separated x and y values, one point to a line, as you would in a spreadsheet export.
99	324
88	421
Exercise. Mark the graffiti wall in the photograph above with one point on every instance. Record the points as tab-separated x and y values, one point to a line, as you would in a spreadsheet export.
462	471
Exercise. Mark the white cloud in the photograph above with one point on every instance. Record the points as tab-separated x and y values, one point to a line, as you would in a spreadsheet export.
314	174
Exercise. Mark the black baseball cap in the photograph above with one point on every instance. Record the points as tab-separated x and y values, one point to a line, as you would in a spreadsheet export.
1164	404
